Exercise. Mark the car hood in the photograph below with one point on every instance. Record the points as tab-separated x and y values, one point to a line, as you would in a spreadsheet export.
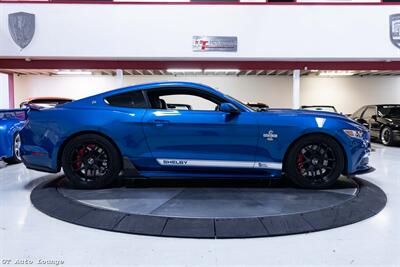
393	120
302	112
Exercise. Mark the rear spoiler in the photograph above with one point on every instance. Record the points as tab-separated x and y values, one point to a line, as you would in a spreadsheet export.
20	114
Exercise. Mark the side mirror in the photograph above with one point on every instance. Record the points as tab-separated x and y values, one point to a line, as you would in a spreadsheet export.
374	117
228	108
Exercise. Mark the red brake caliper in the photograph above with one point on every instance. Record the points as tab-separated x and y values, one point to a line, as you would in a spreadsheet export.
78	161
299	161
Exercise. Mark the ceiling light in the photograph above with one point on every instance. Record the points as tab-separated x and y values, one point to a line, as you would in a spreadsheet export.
183	70
77	72
336	73
222	70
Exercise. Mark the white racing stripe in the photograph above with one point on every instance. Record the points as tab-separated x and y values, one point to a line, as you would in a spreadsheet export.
220	163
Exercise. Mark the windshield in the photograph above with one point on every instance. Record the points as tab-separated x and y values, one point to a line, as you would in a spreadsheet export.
389	111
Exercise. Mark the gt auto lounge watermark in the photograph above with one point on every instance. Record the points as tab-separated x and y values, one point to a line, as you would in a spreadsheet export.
40	261
214	43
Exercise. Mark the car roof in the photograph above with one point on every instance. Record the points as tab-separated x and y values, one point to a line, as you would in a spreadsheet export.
156	85
162	85
381	105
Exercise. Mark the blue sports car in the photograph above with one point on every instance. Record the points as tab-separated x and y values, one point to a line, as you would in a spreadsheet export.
11	123
132	132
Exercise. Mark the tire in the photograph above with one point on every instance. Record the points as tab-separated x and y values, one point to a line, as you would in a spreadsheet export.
90	161
386	136
315	162
16	157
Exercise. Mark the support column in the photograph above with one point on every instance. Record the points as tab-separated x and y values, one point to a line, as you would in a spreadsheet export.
296	89
11	90
120	78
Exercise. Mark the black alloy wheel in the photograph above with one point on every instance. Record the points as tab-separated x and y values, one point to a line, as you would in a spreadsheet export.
387	136
91	161
315	162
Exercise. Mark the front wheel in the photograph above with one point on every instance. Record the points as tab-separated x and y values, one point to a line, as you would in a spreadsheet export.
16	157
315	162
91	161
387	136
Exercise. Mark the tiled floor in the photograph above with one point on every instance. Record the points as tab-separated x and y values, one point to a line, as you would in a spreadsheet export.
28	235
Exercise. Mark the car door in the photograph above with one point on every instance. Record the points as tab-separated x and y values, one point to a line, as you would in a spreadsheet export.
200	138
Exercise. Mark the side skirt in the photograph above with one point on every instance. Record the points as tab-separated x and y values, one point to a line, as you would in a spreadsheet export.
220	164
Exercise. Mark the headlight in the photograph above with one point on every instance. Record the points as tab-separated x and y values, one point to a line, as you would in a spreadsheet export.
354	133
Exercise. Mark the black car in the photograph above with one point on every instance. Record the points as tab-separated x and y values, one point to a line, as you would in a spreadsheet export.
320	108
258	106
179	106
383	121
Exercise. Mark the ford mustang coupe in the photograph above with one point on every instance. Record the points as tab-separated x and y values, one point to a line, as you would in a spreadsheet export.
131	132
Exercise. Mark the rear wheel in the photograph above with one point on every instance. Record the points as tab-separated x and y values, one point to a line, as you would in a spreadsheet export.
91	161
16	157
387	136
315	161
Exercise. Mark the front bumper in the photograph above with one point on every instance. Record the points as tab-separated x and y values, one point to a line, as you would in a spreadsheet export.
359	150
38	167
368	170
396	135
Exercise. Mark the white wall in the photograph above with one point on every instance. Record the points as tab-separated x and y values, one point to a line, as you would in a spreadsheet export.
4	100
347	94
164	32
274	90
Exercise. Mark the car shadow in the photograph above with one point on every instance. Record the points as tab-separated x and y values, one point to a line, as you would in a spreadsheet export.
342	183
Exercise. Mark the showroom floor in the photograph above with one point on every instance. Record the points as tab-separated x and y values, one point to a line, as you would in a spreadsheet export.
29	235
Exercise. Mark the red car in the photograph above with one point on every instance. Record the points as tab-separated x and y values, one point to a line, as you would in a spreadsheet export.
44	102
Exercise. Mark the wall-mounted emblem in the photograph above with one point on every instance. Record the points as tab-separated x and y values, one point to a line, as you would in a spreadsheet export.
270	135
394	21
214	43
22	27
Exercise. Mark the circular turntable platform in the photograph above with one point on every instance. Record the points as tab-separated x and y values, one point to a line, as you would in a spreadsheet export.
211	208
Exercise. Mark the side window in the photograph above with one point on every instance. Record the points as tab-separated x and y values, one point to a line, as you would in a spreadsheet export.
369	112
134	99
183	99
195	102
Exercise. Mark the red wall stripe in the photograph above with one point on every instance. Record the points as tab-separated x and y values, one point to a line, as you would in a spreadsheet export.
197	3
118	64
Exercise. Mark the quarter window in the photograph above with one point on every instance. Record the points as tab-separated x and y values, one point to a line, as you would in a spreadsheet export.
133	99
